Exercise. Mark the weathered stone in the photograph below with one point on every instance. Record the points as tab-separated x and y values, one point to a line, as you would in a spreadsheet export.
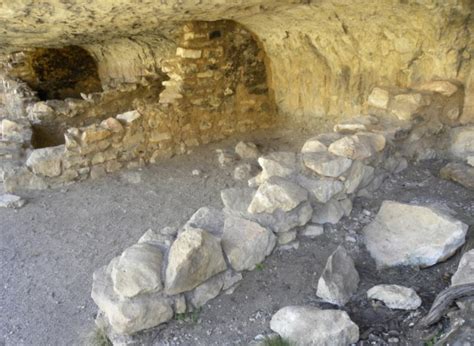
161	238
207	291
326	164
286	237
442	87
312	231
188	53
129	117
277	193
279	164
349	128
462	142
207	218
331	212
404	234
470	161
395	296
94	133
339	280
359	176
246	243
465	272
314	145
406	106
306	325
460	173
358	147
320	189
112	124
138	271
231	279
46	161
225	158
243	172
98	172
22	178
11	201
194	257
379	98
247	150
125	315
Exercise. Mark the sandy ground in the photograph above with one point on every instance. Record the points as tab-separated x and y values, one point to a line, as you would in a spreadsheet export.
50	248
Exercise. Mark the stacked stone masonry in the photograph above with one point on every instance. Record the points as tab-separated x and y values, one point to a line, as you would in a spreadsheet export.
216	85
293	196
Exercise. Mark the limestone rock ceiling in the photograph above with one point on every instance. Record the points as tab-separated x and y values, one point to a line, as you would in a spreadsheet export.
324	56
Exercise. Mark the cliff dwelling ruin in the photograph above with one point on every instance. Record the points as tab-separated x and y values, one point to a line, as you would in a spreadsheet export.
237	172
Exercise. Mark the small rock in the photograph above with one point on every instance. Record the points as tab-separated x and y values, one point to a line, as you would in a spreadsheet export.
225	158
442	87
326	164
194	257
138	270
321	189
331	212
312	231
339	280
470	161
465	272
286	237
279	164
305	325
359	176
277	193
379	98
46	161
349	128
246	243
395	296
207	291
243	172
11	201
406	106
294	245
207	218
358	147
314	145
404	234
462	142
129	117
196	172
247	150
157	238
460	173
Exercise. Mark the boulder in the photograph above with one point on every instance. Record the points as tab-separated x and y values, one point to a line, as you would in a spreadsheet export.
11	201
314	145
327	164
406	106
404	234
321	189
162	238
138	270
378	98
247	150
128	315
460	173
46	161
277	193
465	272
339	280
278	164
332	212
237	200
395	296
359	146
306	325
208	218
246	243
359	176
462	142
207	291
195	256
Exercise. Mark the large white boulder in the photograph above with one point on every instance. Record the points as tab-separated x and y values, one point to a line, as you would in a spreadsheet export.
306	325
246	243
195	256
405	234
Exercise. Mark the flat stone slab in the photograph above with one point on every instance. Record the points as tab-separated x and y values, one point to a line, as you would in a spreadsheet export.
395	296
11	201
412	235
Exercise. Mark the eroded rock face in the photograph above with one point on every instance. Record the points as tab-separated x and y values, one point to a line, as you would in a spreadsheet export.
304	325
404	234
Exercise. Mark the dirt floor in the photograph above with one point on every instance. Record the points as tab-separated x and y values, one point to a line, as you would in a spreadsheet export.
50	248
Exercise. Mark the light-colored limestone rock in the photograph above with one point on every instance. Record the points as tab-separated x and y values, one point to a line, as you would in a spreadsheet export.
247	150
243	172
406	106
442	87
462	142
326	164
339	280
349	128
207	218
194	257
305	326
379	98
404	234
188	53
321	189
207	291
359	176
112	124
465	272
460	173
138	271
46	161
331	212
246	243
286	237
395	296
470	161
314	145
277	193
312	231
11	201
129	117
358	147
162	238
279	164
128	316
15	131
